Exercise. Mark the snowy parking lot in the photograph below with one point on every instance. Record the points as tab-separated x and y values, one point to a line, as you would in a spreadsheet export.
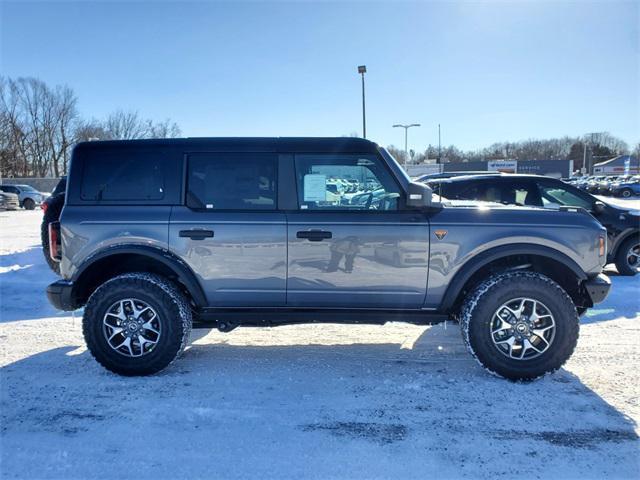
312	401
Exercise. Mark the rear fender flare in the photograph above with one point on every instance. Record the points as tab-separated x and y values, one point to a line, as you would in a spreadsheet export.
182	271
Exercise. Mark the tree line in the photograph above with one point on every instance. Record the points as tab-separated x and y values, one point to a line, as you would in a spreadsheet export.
597	147
40	124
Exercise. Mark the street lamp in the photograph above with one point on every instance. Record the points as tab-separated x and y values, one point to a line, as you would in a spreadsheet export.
362	69
406	129
588	139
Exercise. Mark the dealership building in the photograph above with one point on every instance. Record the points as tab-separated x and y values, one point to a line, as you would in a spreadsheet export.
550	168
621	165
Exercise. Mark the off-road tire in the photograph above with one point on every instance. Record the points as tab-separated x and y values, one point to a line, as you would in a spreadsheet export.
52	214
28	204
164	297
483	302
622	265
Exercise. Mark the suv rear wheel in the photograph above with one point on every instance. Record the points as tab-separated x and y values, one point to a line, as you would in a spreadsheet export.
136	324
520	325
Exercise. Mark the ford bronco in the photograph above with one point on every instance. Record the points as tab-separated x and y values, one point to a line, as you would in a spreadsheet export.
158	235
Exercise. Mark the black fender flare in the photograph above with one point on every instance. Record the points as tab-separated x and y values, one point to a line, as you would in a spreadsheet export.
620	239
174	263
482	259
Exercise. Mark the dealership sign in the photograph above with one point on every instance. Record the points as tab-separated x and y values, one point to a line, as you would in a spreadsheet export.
505	166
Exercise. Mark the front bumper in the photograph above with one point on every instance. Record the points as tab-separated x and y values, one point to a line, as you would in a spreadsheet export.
60	295
598	288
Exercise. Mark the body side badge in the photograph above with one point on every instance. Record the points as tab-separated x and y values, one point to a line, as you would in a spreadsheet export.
440	234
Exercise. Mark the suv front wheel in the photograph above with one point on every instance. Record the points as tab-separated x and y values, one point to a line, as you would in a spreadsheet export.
520	325
136	324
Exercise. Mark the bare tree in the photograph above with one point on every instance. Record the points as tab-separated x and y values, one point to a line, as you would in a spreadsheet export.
87	130
121	125
37	125
164	129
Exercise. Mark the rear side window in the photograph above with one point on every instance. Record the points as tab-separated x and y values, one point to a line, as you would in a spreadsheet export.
123	176
232	181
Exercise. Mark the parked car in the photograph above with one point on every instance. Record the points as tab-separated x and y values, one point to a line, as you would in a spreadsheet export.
159	235
28	196
583	183
602	186
594	184
9	201
51	209
627	187
622	224
615	181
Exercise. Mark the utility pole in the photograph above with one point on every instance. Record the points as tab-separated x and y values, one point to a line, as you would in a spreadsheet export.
406	129
439	147
588	166
362	69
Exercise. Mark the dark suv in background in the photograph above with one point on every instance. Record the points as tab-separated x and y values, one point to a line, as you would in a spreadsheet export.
622	224
51	208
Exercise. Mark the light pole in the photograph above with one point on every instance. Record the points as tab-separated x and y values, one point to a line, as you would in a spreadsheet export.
406	129
587	141
439	147
362	69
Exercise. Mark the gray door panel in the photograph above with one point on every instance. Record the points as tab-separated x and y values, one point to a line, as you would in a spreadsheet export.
243	263
375	260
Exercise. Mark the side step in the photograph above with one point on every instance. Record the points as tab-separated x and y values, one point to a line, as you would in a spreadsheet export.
226	319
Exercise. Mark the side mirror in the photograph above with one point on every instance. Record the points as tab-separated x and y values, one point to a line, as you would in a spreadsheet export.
598	207
419	195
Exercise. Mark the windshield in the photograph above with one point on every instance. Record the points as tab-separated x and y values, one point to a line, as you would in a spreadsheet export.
26	188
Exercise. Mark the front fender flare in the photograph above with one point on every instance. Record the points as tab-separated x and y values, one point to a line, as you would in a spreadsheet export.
473	265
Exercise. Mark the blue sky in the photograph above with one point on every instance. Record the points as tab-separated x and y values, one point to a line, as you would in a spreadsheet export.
487	72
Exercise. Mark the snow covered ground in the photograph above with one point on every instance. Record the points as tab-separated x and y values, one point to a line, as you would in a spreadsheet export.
315	401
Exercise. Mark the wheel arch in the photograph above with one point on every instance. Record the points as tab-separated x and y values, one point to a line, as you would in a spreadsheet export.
623	237
548	261
115	261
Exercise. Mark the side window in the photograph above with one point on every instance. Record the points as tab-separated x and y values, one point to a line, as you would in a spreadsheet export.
462	191
232	181
554	196
123	175
526	194
345	182
8	189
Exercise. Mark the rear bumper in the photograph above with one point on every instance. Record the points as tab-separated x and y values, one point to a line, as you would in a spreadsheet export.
60	295
598	288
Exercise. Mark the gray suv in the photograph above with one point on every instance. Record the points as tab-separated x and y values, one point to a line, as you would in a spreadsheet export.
28	196
158	235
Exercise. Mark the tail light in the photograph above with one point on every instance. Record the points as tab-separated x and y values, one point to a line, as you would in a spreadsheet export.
602	247
44	207
55	251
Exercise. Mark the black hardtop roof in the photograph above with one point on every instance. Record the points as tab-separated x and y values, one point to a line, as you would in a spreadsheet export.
250	144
